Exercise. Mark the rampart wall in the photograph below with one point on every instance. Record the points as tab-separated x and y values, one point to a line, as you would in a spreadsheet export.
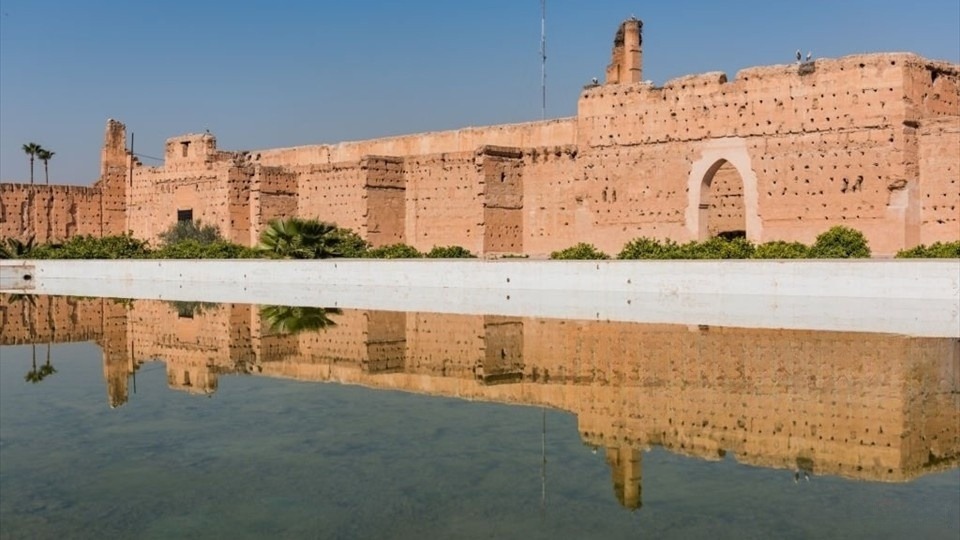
777	153
48	213
940	181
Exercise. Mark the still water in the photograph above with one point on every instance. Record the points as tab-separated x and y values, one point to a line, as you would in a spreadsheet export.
151	419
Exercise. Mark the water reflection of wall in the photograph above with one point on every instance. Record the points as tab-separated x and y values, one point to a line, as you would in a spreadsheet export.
858	405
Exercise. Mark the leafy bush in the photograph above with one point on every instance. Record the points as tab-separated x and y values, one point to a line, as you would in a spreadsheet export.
649	248
936	250
778	249
450	252
718	247
581	251
90	247
840	243
194	249
348	244
190	230
394	251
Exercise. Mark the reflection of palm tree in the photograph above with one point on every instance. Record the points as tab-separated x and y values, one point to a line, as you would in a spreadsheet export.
47	369
18	297
33	376
296	319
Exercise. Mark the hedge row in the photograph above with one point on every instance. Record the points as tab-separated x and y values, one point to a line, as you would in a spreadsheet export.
837	243
200	242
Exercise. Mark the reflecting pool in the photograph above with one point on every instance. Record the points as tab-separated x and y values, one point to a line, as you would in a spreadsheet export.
153	419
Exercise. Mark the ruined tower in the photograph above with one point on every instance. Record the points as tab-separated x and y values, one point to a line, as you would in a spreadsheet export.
626	60
114	172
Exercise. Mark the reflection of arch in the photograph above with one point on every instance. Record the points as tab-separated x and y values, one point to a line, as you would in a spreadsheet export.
722	191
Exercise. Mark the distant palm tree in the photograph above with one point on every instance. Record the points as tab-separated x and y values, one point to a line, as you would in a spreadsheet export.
32	149
45	156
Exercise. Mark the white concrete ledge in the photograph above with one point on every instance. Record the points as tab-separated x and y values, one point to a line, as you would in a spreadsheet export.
915	297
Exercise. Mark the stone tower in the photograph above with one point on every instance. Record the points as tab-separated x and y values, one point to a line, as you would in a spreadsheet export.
114	173
626	60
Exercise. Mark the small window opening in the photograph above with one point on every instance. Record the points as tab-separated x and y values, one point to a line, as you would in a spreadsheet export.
185	215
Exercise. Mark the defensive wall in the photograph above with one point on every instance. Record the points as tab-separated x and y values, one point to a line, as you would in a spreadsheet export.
776	153
867	406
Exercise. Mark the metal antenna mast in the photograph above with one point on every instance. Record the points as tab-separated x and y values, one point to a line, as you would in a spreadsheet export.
543	116
543	59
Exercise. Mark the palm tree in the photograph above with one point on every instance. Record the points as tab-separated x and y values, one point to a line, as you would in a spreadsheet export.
15	248
45	156
300	238
32	149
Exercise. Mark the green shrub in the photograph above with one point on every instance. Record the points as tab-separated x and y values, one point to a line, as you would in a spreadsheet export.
194	249
840	243
347	243
718	248
649	248
450	252
778	249
394	251
936	250
90	247
190	230
581	251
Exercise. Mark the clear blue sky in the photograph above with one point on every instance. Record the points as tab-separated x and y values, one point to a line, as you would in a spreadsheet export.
272	73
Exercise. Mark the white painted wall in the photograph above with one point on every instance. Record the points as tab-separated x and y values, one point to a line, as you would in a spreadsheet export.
917	297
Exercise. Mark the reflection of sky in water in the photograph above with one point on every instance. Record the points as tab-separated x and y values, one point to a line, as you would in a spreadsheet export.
266	457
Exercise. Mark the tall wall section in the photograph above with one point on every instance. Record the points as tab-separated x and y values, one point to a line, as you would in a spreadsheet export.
444	201
194	178
939	190
48	213
818	144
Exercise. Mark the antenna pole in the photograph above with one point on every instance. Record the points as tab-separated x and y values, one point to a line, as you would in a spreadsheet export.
132	134
543	59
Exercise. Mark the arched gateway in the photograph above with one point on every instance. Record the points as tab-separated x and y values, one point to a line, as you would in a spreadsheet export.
721	202
722	193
